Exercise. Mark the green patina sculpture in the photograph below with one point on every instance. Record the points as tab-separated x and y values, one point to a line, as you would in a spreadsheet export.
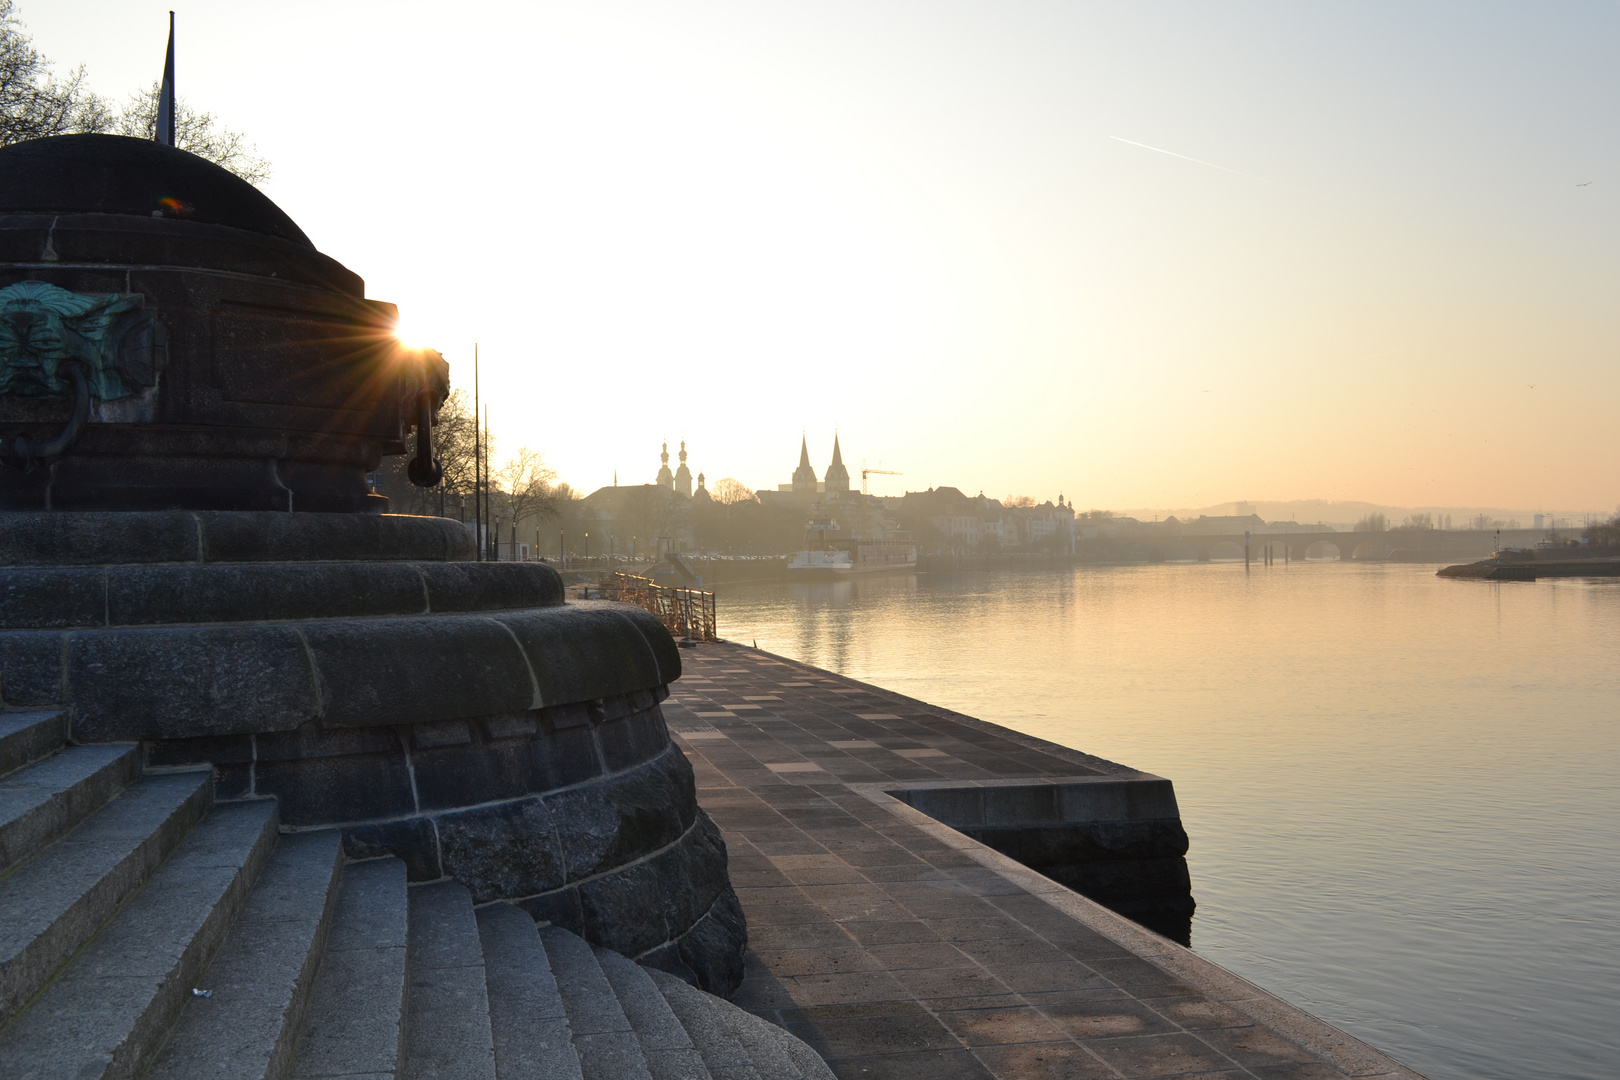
119	343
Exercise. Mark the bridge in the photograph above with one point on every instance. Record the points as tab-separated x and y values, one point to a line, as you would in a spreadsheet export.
1401	545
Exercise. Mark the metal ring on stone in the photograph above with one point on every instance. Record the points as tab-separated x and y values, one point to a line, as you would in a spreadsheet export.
24	453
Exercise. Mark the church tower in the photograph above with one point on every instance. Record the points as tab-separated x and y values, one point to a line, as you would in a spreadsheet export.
666	479
837	475
804	477
683	475
702	493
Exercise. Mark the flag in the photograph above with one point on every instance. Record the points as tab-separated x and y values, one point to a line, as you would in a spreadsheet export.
165	113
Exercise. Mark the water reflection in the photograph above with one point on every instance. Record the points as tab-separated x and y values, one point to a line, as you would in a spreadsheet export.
1400	790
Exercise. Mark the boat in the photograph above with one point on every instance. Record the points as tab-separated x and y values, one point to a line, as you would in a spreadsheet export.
821	558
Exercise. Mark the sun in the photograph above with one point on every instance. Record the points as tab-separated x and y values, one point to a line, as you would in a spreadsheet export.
408	334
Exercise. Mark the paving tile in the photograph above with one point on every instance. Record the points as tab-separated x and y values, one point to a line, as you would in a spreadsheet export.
1042	1061
867	1036
1194	1013
1159	1055
928	1065
952	982
996	1026
1254	1046
786	962
1100	1018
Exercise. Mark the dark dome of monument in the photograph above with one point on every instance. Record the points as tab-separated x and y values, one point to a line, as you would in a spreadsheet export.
112	174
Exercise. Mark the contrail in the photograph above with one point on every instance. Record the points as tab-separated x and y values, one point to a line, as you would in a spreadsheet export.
1194	160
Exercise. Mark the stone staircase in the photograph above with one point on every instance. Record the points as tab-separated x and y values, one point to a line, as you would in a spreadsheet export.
147	931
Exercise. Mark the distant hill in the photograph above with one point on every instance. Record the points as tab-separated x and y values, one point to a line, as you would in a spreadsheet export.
1347	513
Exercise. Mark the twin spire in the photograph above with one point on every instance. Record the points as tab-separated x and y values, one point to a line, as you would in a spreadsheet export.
804	477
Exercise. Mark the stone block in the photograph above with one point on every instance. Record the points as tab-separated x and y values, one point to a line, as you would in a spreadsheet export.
560	907
490	586
570	714
623	910
334	790
1105	800
714	948
411	840
509	849
564	757
51	597
245	536
633	739
409	671
216	750
588	653
514	726
310	741
955	806
233	781
68	538
31	663
188	681
449	777
149	595
1023	804
618	820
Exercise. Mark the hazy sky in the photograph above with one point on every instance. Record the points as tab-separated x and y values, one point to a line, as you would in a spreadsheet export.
928	225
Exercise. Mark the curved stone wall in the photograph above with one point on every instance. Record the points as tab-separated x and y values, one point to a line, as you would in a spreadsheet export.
457	715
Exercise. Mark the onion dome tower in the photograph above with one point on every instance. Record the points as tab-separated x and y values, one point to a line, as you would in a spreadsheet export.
804	477
683	475
666	479
702	493
837	475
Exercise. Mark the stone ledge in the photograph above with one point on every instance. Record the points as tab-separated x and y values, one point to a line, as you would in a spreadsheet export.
102	538
63	598
177	682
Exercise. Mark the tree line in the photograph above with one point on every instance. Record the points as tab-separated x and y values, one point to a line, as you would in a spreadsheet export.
36	103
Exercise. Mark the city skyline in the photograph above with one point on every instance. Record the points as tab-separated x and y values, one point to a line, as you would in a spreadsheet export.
1166	256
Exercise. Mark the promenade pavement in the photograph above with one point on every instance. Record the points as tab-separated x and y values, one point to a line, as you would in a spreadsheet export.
899	948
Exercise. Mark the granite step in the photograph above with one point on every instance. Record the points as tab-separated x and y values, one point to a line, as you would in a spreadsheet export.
526	1014
665	1045
701	1015
259	984
776	1052
761	1040
28	735
105	1015
447	1024
40	802
603	1038
53	903
354	1025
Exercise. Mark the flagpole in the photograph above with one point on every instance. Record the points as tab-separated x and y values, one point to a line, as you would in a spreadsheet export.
164	130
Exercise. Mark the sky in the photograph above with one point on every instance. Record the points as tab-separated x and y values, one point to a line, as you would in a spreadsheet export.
1140	254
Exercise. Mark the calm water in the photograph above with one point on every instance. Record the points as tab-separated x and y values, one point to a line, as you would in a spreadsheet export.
1403	792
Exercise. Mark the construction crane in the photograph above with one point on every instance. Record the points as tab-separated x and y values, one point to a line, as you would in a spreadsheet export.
880	471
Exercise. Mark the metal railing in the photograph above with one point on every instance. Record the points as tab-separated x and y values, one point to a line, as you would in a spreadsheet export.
687	613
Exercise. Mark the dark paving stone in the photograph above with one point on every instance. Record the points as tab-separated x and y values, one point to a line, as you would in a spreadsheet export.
1254	1046
1042	1061
1159	1055
929	1065
1102	1018
862	1036
994	1027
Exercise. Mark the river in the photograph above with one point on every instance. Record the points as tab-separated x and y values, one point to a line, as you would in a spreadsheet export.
1403	792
